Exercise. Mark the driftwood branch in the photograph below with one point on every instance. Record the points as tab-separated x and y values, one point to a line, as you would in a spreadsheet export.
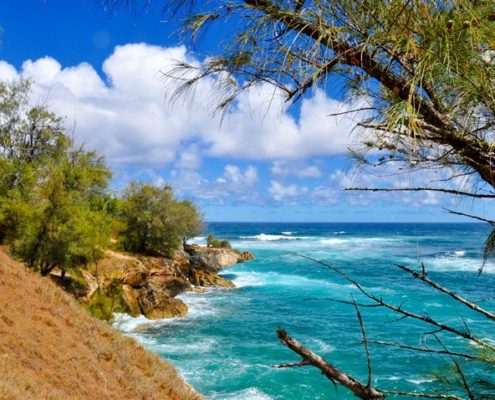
330	371
423	189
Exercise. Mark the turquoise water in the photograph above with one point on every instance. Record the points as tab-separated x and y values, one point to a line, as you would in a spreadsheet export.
227	345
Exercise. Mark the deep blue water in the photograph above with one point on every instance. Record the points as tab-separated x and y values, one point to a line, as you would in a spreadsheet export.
227	345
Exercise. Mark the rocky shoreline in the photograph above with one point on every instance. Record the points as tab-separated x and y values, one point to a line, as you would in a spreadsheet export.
142	285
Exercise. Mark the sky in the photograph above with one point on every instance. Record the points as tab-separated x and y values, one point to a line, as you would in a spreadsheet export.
265	161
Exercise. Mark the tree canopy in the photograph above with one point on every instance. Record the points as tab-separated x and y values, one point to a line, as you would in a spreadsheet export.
156	223
422	71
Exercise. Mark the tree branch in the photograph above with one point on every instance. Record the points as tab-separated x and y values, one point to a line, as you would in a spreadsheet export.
489	221
423	189
330	371
424	318
424	278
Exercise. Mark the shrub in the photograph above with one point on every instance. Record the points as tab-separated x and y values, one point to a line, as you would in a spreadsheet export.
211	241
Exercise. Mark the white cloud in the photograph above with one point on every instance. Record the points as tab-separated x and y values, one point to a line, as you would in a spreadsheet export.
7	72
125	116
287	194
298	169
189	158
235	184
388	177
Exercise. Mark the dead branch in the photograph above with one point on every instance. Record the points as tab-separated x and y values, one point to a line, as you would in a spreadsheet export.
458	368
430	350
341	301
302	363
330	371
424	318
365	341
423	395
423	189
489	221
424	278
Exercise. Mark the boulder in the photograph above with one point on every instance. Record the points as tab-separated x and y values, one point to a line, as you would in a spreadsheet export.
214	259
135	274
201	277
155	300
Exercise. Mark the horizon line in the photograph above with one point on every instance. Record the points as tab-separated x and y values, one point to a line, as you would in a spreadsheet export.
347	222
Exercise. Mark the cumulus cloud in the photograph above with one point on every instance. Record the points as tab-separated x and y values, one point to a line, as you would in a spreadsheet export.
123	114
299	169
287	194
234	185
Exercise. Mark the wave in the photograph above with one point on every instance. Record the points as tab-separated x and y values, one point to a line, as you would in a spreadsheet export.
197	240
456	263
419	381
334	241
200	345
251	393
288	233
264	237
253	279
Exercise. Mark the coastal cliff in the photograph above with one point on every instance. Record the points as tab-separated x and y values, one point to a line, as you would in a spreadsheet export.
143	285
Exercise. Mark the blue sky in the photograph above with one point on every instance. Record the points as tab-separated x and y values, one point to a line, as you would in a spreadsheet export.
102	73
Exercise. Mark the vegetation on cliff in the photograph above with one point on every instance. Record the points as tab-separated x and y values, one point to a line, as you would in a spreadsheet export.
56	207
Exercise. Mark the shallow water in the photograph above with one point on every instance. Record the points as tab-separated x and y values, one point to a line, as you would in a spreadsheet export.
226	345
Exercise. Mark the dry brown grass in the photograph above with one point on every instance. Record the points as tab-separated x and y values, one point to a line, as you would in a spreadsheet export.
50	348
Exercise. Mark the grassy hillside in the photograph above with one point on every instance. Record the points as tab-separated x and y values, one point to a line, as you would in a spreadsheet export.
50	348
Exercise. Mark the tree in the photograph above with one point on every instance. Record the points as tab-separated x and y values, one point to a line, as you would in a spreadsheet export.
28	137
153	224
64	226
424	71
190	219
51	192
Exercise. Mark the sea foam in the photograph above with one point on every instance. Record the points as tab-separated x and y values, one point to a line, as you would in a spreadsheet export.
267	237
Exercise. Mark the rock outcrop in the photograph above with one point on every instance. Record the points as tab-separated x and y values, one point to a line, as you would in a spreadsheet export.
149	285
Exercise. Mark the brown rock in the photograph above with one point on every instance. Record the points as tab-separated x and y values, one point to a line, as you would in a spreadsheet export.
201	277
155	300
212	259
130	297
246	256
135	274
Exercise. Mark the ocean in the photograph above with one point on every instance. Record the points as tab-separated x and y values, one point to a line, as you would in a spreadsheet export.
226	346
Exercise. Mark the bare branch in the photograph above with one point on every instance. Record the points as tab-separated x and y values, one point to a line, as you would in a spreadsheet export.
424	189
429	350
424	278
489	221
330	371
423	395
302	363
424	318
365	341
341	301
459	371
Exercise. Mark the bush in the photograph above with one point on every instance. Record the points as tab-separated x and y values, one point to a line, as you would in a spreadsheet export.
211	241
